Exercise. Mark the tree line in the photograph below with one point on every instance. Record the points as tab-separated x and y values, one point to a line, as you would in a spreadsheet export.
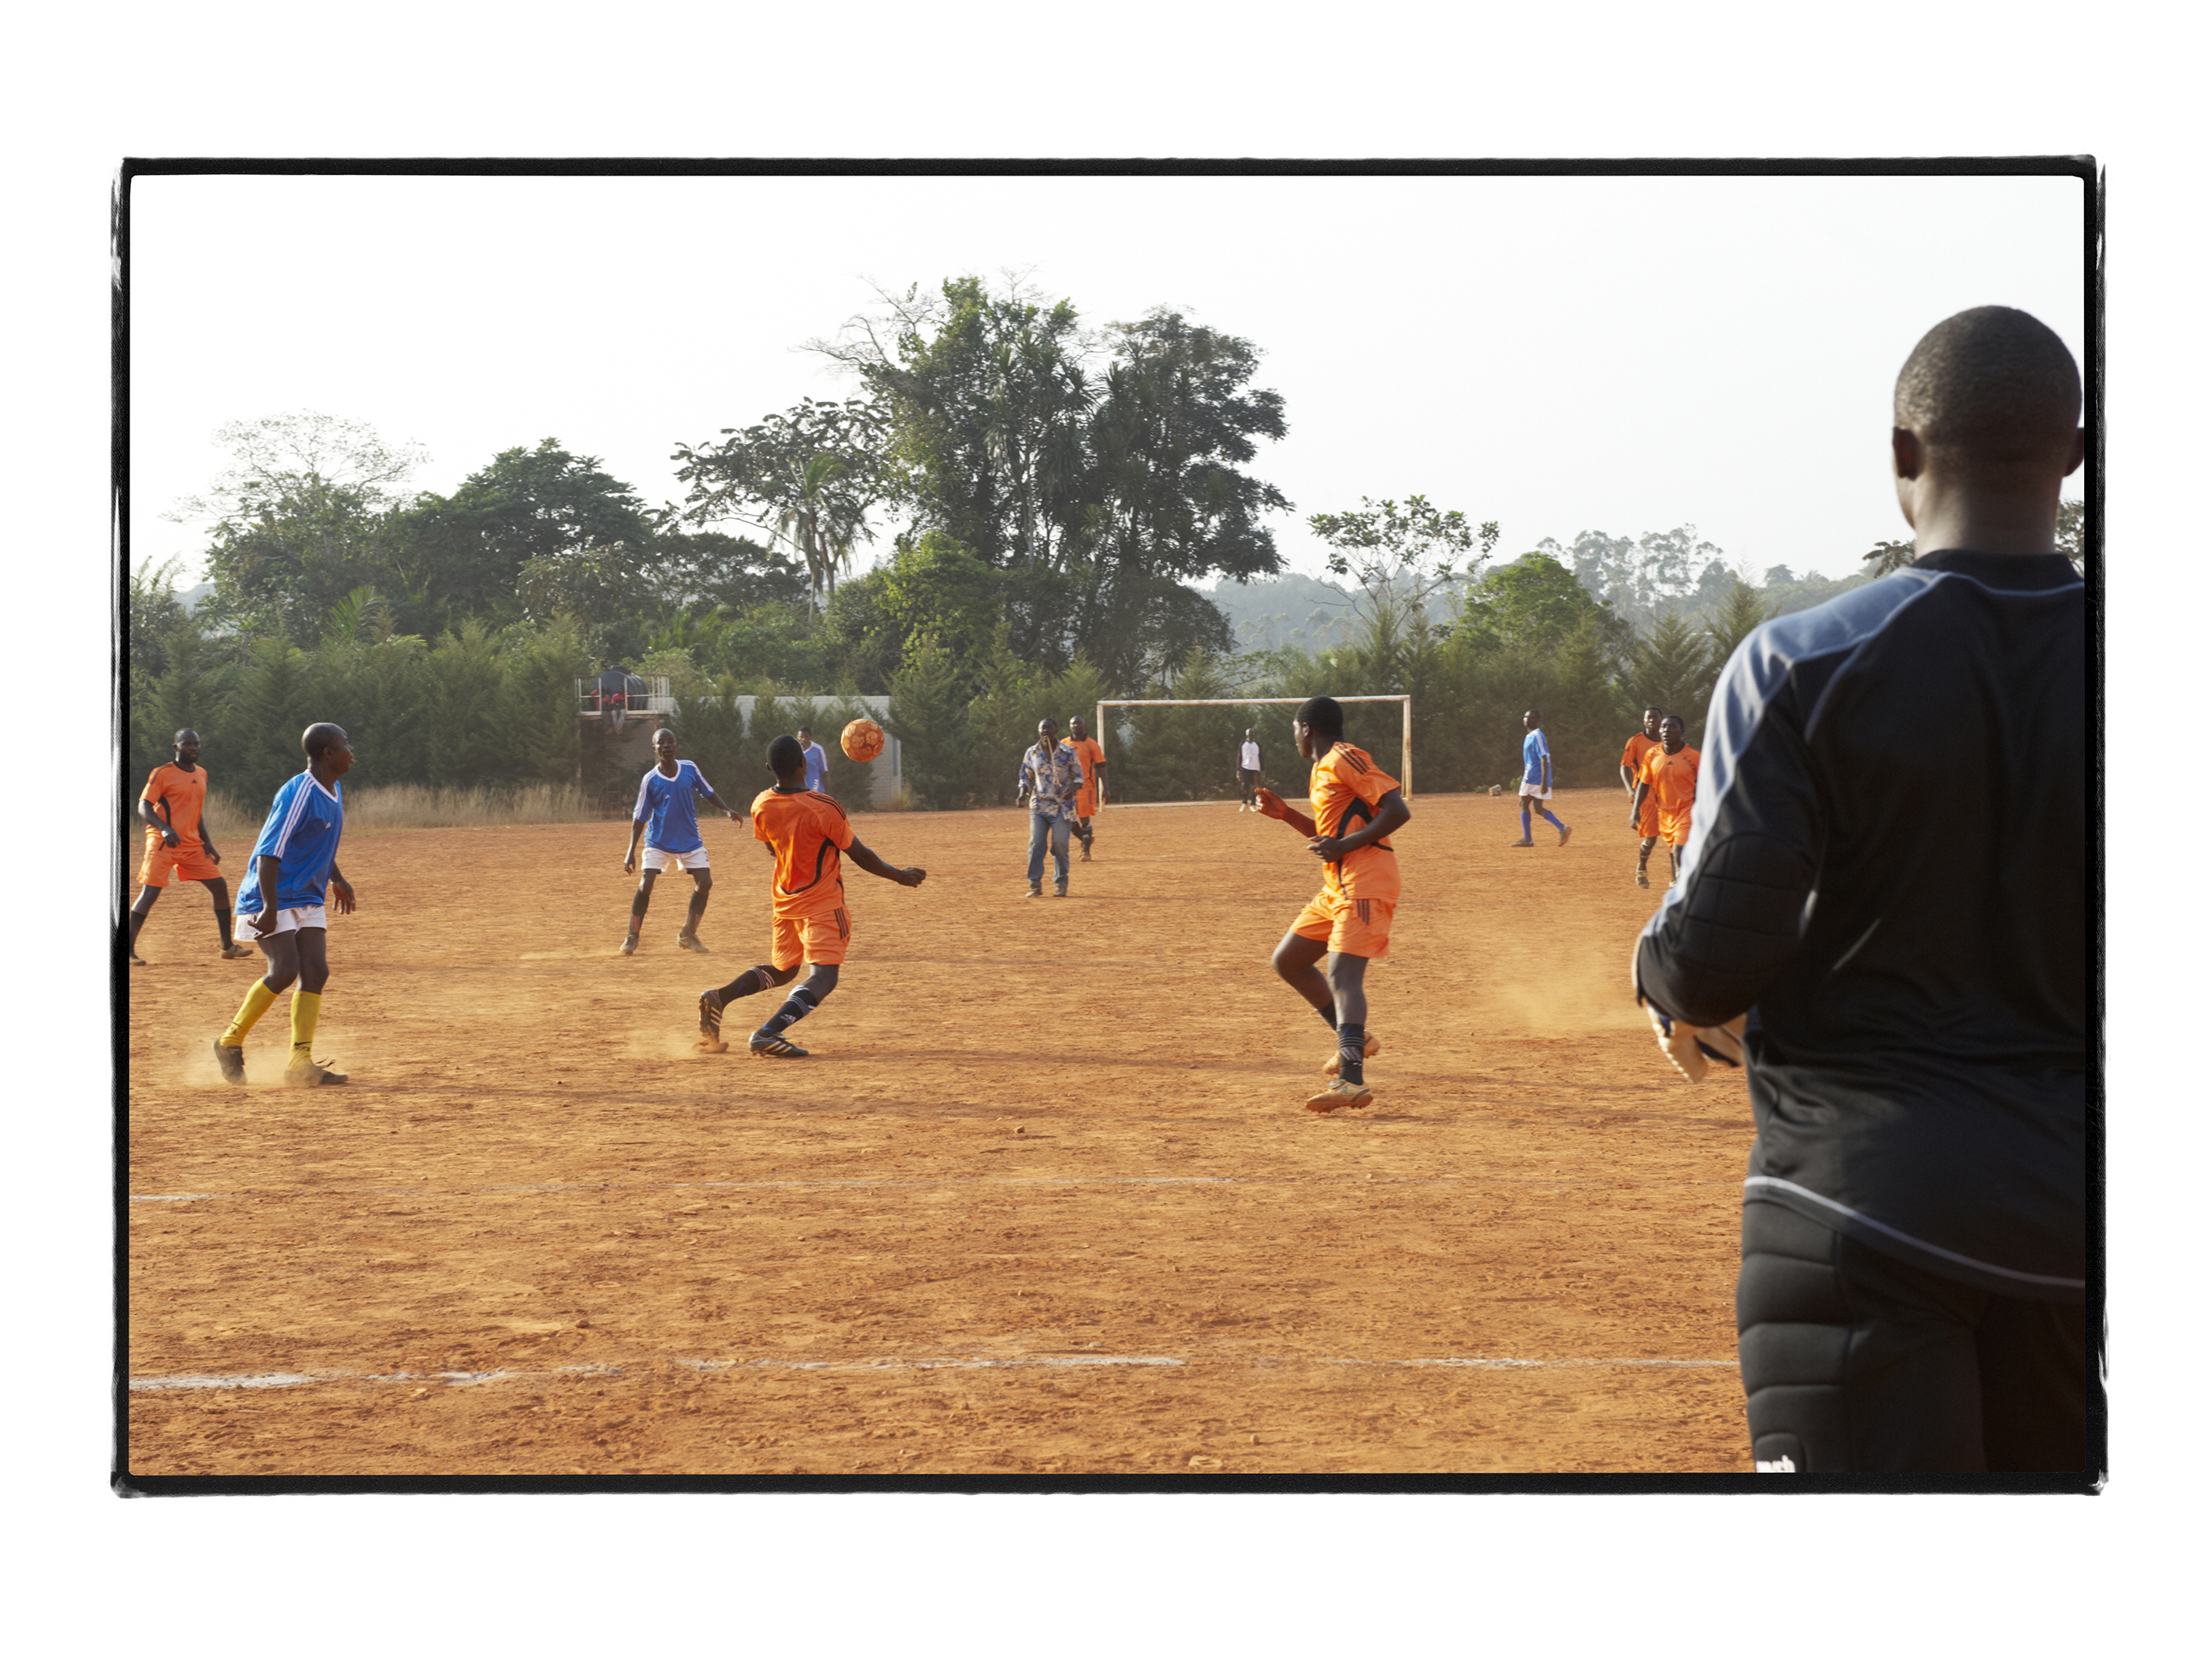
1056	489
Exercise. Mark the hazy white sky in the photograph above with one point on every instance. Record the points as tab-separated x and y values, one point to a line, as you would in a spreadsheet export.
1558	354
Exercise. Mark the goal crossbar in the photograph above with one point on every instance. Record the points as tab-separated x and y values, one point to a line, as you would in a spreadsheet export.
1405	702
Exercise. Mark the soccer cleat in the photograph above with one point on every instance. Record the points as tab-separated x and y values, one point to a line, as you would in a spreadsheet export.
310	1075
778	1046
1641	879
231	1063
710	1023
628	946
233	952
1368	1051
1524	841
1341	1093
1565	830
689	941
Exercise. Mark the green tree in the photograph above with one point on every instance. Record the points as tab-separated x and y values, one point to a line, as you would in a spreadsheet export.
1887	557
1742	608
1673	667
809	476
1399	557
537	718
1002	720
460	739
297	520
1536	602
709	723
2072	533
927	716
540	507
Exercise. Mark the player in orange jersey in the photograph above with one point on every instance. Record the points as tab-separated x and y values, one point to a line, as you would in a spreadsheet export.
178	846
1669	785
1639	745
1356	806
1093	757
806	831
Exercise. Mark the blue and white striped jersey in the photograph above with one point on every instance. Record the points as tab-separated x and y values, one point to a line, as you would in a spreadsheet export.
302	834
665	807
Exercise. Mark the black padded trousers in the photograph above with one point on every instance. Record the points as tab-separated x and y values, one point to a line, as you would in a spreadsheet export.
1855	1362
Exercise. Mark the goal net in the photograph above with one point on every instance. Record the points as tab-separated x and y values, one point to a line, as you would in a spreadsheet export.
1188	749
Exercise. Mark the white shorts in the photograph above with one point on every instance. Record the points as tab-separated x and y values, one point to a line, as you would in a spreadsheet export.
287	922
693	860
1530	792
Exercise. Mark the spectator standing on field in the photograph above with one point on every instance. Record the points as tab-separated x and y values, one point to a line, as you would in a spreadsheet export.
1051	779
1248	771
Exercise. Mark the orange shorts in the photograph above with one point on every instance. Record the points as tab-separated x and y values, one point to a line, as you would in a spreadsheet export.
186	862
1647	821
819	938
1353	927
1675	831
1086	802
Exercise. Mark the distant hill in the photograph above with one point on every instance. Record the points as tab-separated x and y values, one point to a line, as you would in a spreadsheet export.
1295	610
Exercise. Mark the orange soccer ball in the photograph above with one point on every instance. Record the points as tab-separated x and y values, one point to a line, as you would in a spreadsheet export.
863	740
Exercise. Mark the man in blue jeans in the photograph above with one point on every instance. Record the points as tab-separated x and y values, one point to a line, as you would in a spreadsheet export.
1051	777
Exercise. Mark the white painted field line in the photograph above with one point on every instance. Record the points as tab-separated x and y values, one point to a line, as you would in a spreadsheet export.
933	1363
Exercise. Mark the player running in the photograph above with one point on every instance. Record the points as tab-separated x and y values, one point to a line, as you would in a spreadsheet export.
1356	804
281	907
1093	757
1639	745
668	820
1536	780
178	846
1667	788
805	831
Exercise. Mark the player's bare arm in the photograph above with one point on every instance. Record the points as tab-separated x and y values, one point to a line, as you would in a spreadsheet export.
1391	815
158	816
637	835
265	874
1636	804
1273	805
341	891
905	876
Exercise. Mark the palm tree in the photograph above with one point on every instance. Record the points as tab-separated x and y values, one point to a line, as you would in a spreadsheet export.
822	527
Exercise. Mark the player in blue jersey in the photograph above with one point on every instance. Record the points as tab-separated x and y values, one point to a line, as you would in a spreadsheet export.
665	818
1536	780
281	907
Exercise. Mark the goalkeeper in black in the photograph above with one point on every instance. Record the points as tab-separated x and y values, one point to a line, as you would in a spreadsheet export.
1885	886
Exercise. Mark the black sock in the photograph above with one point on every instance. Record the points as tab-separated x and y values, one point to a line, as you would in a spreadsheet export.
1328	1016
752	981
1351	1053
796	1007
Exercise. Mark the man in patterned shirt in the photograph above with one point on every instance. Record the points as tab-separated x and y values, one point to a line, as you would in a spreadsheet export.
1051	780
1357	805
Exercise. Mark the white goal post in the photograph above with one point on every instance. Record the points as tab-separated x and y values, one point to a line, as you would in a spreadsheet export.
1405	702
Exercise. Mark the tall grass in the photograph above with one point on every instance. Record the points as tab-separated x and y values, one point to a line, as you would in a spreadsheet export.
412	807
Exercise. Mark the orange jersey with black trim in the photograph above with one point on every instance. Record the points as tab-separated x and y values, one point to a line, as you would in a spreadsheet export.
1090	753
1632	753
1345	789
808	830
184	794
1673	779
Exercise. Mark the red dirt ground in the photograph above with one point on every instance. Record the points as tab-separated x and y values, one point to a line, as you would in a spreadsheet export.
1045	1198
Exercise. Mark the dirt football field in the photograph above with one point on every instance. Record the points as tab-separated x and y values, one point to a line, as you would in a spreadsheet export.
1044	1199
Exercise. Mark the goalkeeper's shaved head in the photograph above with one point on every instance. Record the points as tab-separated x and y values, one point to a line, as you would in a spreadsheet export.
1990	391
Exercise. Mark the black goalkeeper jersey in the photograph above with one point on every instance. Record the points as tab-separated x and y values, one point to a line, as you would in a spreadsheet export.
1888	869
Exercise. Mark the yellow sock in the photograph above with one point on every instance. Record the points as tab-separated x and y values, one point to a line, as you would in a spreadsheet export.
257	998
307	1009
